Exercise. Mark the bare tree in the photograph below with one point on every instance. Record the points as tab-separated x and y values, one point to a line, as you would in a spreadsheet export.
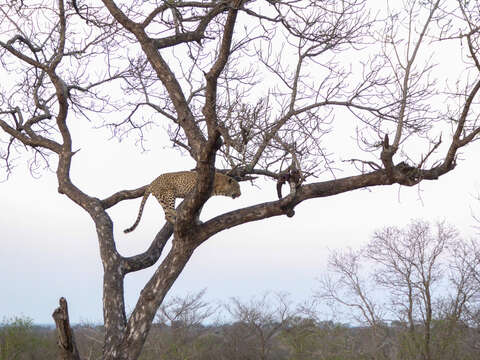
261	320
185	317
411	267
347	285
465	303
426	278
248	86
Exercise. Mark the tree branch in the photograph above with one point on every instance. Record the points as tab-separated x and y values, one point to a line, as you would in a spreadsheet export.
152	254
123	195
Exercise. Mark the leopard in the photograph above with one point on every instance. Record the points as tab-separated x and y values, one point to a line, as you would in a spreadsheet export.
169	186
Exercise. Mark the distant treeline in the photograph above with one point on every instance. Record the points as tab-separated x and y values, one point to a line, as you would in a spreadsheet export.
264	328
412	293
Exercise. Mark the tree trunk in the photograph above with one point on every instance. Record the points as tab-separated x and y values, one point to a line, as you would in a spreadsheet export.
66	341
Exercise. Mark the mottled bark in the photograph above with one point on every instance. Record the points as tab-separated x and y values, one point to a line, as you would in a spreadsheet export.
150	299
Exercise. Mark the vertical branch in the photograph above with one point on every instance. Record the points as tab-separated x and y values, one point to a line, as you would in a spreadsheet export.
61	43
406	80
457	142
209	109
206	155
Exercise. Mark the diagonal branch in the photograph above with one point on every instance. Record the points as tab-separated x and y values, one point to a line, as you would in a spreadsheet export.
456	141
123	195
34	140
407	79
152	254
401	174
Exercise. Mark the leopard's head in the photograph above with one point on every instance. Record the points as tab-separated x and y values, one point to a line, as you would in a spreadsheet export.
226	185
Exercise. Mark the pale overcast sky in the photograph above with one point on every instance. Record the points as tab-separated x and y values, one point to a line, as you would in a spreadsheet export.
49	245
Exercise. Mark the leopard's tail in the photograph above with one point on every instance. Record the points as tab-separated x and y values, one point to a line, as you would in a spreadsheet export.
140	212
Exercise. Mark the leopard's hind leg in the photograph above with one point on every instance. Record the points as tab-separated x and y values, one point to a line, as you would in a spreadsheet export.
167	199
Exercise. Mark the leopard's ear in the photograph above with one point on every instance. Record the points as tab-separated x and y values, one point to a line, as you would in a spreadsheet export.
231	170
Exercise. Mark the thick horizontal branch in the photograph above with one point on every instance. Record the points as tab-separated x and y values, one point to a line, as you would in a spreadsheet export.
281	207
178	39
401	174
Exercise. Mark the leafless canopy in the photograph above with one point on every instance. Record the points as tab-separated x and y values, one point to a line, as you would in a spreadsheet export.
260	88
422	277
